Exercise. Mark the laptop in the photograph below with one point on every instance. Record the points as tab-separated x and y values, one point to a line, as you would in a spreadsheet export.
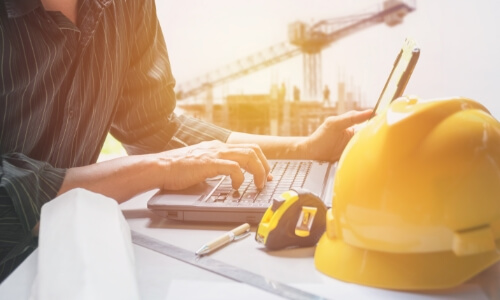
214	200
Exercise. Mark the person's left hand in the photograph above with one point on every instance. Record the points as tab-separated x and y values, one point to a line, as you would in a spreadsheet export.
329	140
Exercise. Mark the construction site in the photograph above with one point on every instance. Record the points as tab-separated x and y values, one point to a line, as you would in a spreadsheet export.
279	112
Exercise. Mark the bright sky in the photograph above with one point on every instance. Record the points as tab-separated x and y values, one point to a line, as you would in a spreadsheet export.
459	42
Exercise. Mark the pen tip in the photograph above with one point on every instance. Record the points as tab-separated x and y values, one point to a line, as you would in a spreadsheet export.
202	250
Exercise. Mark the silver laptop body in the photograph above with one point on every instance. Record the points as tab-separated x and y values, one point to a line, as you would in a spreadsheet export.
215	201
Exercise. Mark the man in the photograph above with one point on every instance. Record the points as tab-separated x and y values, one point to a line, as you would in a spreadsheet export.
326	95
72	71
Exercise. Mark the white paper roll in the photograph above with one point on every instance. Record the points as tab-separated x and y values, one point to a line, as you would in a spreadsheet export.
85	250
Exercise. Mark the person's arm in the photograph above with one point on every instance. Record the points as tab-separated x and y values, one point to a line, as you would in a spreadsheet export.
144	121
126	177
121	178
326	143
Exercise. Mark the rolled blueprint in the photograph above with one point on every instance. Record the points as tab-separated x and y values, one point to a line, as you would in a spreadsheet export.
85	250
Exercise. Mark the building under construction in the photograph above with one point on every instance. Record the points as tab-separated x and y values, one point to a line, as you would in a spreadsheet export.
272	113
265	114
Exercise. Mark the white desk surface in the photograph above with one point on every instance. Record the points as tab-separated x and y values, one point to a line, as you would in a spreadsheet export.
160	277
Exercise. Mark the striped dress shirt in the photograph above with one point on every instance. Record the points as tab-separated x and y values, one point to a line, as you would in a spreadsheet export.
63	87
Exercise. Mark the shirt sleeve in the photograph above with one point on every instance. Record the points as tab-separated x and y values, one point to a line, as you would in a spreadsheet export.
29	184
144	121
25	185
193	131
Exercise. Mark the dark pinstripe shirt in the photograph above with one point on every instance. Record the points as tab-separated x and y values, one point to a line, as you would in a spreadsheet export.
63	87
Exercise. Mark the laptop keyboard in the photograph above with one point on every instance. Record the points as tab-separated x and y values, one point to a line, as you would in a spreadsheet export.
286	174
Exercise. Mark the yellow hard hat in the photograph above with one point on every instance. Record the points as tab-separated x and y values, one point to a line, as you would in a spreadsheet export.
416	200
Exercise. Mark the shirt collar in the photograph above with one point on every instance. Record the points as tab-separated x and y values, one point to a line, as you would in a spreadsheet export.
18	8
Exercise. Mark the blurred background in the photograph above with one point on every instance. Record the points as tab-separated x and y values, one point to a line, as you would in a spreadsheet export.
459	41
263	66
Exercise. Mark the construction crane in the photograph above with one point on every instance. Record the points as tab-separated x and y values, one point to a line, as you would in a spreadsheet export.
309	40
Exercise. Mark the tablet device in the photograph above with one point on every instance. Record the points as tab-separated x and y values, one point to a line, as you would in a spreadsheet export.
400	74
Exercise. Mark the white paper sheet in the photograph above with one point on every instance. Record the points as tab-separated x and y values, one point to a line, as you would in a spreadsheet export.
85	250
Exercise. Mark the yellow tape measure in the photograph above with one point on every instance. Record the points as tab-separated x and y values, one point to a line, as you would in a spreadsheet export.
296	219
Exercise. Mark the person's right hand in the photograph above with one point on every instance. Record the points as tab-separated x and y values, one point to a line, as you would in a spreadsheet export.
190	165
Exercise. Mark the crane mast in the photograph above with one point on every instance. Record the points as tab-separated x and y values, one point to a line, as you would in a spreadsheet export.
309	40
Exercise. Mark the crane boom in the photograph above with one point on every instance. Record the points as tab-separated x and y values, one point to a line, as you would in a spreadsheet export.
242	67
309	40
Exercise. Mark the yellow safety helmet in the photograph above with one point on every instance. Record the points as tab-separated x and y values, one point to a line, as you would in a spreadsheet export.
416	198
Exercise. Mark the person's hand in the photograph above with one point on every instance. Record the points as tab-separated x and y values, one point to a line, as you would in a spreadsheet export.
330	139
190	165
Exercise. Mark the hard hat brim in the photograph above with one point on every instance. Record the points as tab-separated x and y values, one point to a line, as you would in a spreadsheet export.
415	271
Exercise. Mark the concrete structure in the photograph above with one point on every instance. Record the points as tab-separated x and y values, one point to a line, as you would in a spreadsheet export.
263	114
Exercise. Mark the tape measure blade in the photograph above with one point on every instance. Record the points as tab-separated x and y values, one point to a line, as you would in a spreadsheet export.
222	269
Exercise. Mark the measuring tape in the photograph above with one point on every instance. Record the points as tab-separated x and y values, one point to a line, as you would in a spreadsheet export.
221	268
